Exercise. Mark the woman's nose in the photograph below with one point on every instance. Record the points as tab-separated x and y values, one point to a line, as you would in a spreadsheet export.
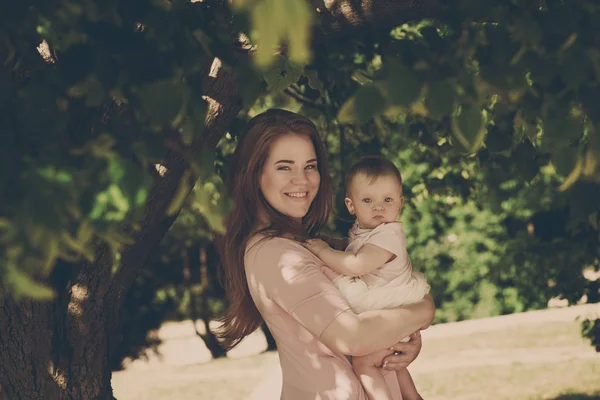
299	177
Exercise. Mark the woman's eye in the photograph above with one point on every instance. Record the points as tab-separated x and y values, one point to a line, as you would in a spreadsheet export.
311	167
283	168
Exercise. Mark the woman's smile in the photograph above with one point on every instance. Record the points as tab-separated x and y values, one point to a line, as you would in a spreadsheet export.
297	195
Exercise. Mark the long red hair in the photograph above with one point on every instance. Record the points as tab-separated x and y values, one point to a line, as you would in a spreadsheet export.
242	318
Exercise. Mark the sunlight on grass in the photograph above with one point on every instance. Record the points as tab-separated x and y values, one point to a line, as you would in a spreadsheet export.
514	381
534	360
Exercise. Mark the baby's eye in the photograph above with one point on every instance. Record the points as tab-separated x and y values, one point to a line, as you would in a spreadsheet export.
366	201
388	199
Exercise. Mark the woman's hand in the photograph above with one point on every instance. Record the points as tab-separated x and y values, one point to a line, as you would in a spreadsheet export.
404	353
315	245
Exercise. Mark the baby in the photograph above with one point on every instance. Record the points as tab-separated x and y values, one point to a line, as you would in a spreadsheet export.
376	272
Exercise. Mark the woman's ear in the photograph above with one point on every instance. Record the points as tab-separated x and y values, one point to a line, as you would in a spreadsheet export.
349	205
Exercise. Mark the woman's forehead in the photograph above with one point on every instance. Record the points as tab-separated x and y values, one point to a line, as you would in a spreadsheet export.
292	146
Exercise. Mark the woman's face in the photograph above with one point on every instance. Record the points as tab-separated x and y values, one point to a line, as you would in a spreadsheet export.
290	177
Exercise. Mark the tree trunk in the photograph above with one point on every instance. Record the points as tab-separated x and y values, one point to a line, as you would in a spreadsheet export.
59	350
210	339
199	304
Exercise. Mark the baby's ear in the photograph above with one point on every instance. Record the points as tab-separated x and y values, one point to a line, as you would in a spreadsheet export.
349	205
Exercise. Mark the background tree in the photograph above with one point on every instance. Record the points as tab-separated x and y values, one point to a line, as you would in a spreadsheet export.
504	90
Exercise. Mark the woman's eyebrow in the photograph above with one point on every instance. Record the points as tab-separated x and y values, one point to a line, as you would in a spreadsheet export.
293	162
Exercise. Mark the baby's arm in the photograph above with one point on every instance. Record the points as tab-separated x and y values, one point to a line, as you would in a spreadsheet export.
368	258
336	243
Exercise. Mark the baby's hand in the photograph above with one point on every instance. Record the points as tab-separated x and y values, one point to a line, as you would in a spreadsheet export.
315	245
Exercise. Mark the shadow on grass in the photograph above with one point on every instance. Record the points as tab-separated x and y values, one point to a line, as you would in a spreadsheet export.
578	396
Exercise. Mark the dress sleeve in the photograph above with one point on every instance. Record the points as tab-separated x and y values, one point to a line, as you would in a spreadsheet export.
289	275
390	237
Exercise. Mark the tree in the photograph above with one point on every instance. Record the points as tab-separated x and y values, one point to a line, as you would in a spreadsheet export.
126	86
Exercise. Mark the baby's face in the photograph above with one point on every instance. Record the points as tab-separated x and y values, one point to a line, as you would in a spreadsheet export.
374	201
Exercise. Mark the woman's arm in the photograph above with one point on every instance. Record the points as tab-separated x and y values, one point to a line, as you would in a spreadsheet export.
371	331
368	258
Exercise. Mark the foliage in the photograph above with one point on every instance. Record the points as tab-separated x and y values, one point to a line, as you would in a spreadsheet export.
489	108
493	104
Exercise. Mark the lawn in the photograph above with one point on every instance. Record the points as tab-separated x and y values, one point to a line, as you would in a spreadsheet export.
521	357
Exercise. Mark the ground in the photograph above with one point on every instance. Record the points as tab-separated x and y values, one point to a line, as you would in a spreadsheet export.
534	355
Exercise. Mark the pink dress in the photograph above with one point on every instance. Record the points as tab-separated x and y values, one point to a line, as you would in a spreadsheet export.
297	301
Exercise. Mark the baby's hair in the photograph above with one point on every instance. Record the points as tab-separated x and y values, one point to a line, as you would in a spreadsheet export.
372	167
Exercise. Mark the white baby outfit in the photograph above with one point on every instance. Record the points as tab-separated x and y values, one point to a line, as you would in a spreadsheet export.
391	285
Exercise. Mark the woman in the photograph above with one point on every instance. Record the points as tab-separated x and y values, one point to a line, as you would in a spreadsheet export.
282	195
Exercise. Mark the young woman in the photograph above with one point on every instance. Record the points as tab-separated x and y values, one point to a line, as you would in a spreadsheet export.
282	195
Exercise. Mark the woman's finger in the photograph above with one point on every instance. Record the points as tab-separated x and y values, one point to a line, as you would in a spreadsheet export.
415	341
395	362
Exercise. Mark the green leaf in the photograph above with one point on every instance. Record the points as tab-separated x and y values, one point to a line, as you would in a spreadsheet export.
440	100
276	21
576	67
90	88
364	105
525	160
468	128
161	101
499	140
183	190
282	73
565	160
204	165
583	201
194	124
591	162
250	84
402	86
23	285
560	129
314	81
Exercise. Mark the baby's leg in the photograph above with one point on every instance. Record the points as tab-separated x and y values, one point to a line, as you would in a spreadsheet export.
367	370
407	386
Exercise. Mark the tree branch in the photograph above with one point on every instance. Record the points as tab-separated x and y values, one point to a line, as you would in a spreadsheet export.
343	17
302	100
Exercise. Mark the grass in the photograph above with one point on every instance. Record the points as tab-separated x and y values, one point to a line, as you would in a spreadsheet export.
563	380
218	379
545	360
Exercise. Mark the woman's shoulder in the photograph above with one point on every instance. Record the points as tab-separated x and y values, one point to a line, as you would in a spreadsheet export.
265	248
264	242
